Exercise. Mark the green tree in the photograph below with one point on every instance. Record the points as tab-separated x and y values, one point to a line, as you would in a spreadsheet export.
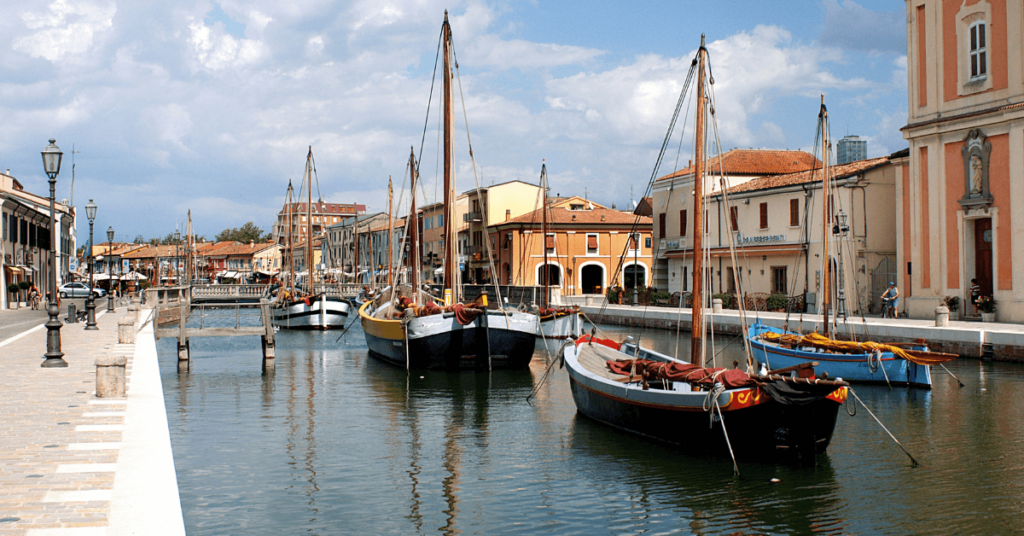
246	233
139	240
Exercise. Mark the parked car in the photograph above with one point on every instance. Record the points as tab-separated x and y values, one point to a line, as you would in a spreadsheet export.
79	290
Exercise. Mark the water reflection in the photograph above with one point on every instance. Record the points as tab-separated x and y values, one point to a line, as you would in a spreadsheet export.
333	440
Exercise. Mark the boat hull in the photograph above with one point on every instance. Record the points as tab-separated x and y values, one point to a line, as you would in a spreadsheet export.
321	313
857	368
758	427
439	342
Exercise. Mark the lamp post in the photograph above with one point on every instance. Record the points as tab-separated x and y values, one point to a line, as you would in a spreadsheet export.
90	302
110	271
54	357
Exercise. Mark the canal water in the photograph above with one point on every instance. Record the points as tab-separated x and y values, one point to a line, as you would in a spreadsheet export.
333	441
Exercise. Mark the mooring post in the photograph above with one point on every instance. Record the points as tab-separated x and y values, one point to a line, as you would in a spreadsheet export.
268	334
182	336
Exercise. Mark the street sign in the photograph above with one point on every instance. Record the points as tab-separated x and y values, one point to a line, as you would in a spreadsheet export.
73	265
124	265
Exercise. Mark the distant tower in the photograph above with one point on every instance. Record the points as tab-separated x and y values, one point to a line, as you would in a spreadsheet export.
851	149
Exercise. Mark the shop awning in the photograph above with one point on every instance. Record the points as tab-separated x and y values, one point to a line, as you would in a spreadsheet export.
13	269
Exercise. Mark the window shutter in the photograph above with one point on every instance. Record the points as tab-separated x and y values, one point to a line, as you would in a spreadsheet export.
550	242
764	215
794	212
661	225
592	239
734	216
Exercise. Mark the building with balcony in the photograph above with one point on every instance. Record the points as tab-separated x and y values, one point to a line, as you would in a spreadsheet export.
965	170
324	215
478	211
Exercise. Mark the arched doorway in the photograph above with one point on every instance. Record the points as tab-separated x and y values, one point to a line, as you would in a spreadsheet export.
592	279
554	272
634	272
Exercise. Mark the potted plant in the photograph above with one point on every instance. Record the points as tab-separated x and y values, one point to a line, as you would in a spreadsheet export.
987	306
12	290
777	302
24	286
953	304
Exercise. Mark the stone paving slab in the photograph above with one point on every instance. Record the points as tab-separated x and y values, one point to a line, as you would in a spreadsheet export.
62	449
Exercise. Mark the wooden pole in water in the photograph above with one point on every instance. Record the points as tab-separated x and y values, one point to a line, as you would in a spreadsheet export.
698	216
391	234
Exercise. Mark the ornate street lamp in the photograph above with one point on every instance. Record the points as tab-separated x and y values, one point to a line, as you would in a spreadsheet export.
110	271
54	357
839	229
90	303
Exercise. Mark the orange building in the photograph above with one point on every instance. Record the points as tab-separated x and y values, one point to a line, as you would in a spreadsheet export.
586	248
956	190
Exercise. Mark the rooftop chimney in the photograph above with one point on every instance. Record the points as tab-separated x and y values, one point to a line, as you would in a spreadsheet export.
508	214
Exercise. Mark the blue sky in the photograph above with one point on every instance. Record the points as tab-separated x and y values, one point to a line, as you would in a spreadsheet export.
210	106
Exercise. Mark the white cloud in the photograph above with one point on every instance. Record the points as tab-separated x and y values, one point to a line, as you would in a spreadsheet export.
853	27
215	49
66	28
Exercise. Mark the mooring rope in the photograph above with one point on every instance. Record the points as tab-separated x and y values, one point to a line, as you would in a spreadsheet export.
912	460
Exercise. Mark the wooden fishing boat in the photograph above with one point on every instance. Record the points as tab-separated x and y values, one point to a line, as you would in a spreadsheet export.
408	327
701	409
314	308
864	362
773	415
557	323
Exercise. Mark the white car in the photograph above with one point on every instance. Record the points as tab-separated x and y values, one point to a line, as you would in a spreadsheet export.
79	290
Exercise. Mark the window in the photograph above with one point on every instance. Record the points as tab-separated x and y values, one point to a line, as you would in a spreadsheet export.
730	279
592	243
764	215
661	225
682	223
427	222
978	51
440	220
734	218
550	244
647	242
794	212
779	279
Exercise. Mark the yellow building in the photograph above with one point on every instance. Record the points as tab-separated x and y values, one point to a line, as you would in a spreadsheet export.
477	212
965	171
588	248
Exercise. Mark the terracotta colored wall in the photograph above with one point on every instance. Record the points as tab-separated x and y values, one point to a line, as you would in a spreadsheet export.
954	191
922	59
907	249
999	185
926	274
997	45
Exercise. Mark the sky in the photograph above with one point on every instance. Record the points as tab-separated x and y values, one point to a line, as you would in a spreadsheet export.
212	106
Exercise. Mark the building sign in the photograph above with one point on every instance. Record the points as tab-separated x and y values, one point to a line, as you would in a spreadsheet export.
763	239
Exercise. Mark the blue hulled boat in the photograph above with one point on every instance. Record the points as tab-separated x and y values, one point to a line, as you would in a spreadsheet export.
878	366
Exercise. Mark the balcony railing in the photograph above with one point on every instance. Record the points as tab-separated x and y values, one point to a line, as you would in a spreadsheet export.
473	217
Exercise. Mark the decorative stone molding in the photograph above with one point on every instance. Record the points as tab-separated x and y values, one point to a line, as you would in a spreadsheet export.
976	152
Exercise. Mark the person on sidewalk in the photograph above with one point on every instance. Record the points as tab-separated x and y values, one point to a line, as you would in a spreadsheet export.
975	294
33	297
892	294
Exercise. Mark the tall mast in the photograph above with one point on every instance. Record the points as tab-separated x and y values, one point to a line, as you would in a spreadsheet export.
391	235
826	218
413	226
544	228
188	252
289	202
451	249
698	215
309	220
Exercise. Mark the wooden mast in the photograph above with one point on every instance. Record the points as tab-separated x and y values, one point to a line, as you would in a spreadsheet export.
291	241
698	215
413	225
391	234
826	286
309	221
544	230
451	250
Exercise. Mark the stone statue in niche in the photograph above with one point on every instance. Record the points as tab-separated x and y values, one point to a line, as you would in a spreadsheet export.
975	175
975	153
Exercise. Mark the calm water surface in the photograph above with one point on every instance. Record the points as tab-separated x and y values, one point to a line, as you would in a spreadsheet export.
335	442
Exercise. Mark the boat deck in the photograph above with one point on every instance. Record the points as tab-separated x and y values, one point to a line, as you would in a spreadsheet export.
595	359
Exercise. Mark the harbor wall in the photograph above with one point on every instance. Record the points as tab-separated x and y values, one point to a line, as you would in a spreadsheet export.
1002	342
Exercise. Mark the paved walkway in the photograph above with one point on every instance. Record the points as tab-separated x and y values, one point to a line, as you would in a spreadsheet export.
69	461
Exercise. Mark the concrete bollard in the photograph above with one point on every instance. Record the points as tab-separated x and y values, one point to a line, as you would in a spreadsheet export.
110	378
941	316
125	331
716	305
133	312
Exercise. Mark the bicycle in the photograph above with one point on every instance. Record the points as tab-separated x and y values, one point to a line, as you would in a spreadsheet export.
887	309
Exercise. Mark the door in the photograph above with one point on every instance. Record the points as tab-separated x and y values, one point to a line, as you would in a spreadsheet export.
983	254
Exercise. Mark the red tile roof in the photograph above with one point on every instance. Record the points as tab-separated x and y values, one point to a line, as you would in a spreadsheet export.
757	162
597	216
840	171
